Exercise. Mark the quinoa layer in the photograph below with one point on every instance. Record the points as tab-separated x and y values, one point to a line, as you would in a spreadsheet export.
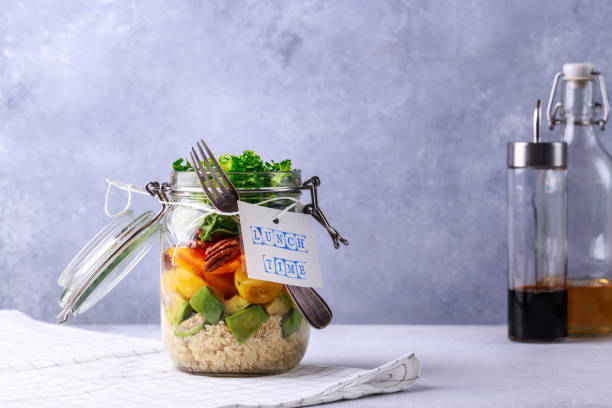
214	349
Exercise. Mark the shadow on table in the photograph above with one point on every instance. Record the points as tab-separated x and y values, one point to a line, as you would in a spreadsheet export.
580	340
369	400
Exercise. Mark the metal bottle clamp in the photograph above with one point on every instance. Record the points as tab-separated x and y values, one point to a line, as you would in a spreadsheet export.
551	112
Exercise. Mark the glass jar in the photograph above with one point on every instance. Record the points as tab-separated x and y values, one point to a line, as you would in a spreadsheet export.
214	319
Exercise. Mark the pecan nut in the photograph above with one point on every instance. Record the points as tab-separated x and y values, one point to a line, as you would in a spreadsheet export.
221	253
197	244
195	240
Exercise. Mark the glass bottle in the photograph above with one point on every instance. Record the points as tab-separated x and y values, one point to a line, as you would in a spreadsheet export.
589	200
537	239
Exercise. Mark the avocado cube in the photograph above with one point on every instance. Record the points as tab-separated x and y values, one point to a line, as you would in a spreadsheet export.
292	323
205	303
179	310
246	322
279	306
234	305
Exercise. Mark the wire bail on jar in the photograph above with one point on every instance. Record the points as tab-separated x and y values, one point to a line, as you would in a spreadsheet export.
313	209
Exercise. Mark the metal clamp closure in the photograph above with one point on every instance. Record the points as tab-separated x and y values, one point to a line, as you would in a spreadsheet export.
159	191
551	113
316	212
604	106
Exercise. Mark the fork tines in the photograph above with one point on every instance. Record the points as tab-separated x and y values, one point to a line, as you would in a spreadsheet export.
223	196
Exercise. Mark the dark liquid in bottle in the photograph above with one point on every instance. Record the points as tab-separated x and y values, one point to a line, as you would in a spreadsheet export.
536	313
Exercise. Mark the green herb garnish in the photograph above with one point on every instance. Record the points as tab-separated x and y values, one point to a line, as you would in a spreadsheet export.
247	172
178	165
248	162
216	226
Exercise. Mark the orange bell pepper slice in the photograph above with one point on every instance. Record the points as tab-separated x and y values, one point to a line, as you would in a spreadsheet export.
229	267
224	283
188	258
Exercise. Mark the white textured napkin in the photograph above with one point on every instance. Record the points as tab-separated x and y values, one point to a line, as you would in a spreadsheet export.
45	365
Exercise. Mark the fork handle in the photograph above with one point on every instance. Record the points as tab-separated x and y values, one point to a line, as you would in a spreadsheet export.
312	306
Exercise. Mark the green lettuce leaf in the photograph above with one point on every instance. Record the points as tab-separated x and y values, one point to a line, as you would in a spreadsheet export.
178	165
216	226
248	162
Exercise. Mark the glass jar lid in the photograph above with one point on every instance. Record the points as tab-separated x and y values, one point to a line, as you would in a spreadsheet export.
105	260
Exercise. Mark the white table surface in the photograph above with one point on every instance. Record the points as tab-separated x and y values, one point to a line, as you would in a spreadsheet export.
462	366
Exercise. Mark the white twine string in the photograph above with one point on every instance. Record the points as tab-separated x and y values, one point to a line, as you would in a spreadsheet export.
134	188
122	186
198	220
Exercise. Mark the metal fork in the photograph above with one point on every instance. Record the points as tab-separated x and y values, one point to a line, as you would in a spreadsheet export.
225	198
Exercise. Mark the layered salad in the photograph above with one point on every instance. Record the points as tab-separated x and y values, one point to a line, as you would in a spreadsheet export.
215	319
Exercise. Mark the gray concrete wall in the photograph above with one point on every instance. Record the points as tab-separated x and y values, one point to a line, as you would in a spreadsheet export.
403	108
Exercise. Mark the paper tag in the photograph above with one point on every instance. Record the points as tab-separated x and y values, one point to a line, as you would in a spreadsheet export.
283	252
